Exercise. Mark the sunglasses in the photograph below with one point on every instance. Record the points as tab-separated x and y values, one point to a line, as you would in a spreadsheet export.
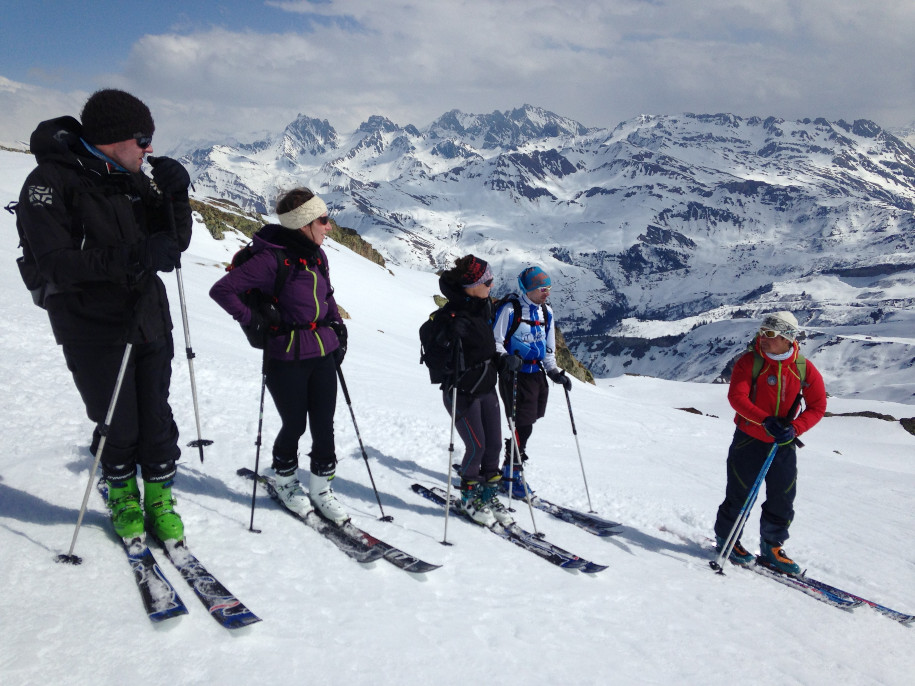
143	141
488	282
769	333
323	221
544	289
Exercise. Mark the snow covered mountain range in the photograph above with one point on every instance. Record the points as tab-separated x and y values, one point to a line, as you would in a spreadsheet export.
663	235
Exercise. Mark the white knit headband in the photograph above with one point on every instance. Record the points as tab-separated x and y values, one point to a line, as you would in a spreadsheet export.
304	214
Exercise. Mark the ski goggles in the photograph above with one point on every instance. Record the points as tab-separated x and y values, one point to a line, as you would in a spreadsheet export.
771	333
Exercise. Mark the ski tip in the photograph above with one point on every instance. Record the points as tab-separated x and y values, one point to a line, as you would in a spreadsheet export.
593	568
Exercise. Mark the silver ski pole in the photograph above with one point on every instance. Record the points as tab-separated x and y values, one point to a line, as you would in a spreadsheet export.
103	433
516	453
200	443
457	363
578	447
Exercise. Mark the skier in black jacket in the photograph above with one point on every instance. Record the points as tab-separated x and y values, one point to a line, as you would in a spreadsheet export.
99	230
466	326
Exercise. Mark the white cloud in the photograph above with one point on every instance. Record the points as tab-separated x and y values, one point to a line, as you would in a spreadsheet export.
24	106
598	62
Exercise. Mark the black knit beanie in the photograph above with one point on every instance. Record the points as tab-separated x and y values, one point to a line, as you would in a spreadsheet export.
111	116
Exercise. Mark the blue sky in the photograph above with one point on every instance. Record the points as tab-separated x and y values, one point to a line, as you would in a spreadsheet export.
62	43
211	70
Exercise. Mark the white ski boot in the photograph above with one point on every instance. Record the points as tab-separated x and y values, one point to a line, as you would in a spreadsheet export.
292	495
322	495
474	505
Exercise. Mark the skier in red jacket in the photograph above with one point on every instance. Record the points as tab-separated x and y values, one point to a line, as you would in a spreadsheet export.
765	383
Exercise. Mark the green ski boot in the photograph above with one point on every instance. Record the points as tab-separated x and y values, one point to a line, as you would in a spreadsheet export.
164	523
124	503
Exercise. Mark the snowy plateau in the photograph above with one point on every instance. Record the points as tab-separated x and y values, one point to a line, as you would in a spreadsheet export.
495	613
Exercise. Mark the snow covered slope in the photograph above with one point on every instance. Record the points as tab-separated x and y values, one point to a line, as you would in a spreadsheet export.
493	612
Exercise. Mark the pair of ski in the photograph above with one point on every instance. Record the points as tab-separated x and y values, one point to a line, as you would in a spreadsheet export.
826	593
514	533
160	598
583	520
356	543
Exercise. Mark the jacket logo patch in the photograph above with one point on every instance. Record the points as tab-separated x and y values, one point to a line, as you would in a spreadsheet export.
772	380
40	195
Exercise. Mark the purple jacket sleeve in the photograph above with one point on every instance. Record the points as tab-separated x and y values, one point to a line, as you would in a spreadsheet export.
258	272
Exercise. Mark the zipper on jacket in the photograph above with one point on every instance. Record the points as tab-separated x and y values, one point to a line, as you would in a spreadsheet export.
314	294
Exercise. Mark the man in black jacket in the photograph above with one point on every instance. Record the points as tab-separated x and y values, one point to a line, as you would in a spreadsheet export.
98	230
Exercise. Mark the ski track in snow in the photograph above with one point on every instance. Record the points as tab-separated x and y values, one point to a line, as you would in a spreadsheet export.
658	615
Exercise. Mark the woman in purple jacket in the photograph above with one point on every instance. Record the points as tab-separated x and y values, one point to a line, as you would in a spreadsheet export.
306	344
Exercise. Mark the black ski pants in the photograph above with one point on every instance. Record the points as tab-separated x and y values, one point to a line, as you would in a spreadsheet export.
305	395
532	396
746	457
143	431
478	422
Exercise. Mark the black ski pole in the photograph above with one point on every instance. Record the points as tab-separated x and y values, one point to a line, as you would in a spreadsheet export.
349	404
70	558
257	441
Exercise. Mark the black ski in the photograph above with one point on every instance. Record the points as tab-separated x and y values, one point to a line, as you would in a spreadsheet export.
352	545
160	598
395	556
514	533
802	584
896	615
584	520
222	605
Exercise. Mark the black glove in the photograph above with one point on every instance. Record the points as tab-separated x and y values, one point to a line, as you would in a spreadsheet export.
170	176
258	325
509	364
270	313
265	321
559	376
342	336
780	429
159	252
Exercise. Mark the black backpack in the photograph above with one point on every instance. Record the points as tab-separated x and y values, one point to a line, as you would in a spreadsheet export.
436	350
28	268
256	299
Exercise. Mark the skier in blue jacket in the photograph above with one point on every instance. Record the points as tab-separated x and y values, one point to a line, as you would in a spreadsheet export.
524	327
